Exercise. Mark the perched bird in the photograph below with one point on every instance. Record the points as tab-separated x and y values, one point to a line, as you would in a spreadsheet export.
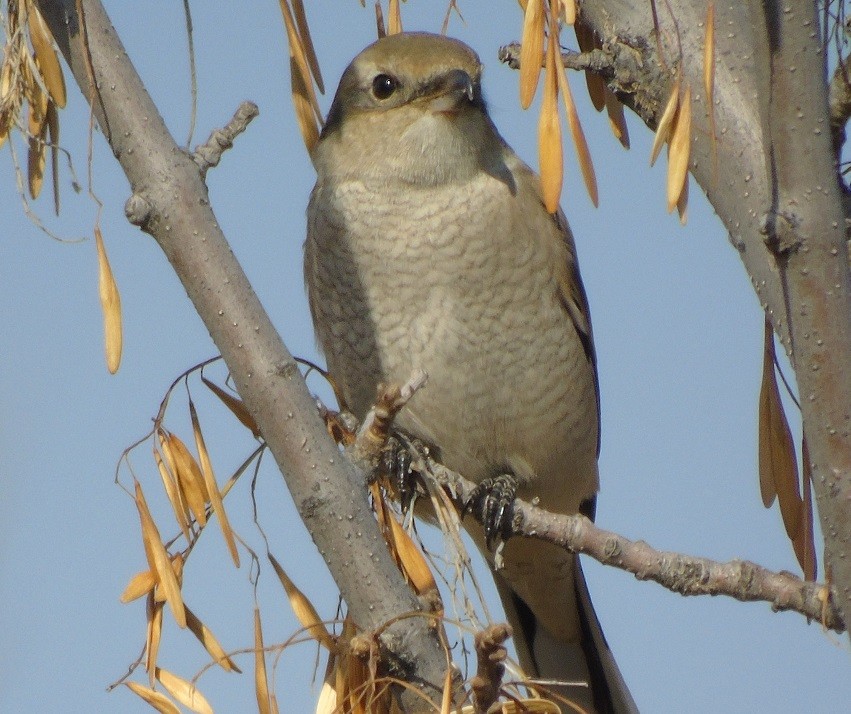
428	246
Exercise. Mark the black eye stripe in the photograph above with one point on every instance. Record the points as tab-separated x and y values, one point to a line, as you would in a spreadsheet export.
383	85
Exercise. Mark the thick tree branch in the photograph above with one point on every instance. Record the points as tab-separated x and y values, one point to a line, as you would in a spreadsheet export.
806	291
684	574
328	491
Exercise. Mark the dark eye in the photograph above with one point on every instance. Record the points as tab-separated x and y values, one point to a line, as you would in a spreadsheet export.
383	86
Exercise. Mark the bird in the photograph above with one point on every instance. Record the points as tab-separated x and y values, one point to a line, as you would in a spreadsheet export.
429	247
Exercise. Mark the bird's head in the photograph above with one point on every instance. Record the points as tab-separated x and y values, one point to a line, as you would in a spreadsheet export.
408	107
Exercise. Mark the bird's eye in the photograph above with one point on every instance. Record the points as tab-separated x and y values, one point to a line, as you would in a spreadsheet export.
383	86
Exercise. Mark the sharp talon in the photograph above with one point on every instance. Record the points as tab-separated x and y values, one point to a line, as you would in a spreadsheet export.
492	501
395	463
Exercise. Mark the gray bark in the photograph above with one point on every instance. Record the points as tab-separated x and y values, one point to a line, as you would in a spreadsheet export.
170	202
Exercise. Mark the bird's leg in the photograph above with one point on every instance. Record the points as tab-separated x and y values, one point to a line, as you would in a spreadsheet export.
491	502
395	463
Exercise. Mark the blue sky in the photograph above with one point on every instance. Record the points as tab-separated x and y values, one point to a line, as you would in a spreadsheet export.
678	333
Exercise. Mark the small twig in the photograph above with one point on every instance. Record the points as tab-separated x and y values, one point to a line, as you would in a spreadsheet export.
373	433
210	153
491	655
684	574
597	61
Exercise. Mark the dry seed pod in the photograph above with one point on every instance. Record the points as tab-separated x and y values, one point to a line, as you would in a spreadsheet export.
211	485
153	634
617	120
37	143
140	584
682	203
550	156
394	18
208	640
261	683
235	405
45	56
52	119
679	150
157	700
596	87
303	608
110	303
175	496
307	44
806	542
184	692
161	565
410	559
304	99
531	51
583	154
188	474
663	130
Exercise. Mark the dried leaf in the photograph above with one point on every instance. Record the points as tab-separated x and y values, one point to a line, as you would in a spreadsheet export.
45	56
208	640
617	120
140	584
663	130
778	467
261	683
550	156
531	51
110	303
307	43
411	559
154	613
596	85
158	701
161	564
303	608
188	473
37	145
394	18
53	140
806	541
175	496
235	405
304	98
184	692
580	145
211	485
679	150
682	203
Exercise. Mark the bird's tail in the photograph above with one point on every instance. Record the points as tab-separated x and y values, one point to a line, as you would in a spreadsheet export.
585	663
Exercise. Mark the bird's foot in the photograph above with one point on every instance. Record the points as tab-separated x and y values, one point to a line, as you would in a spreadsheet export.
396	464
491	502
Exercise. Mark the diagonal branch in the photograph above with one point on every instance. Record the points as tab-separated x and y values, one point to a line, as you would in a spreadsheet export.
174	209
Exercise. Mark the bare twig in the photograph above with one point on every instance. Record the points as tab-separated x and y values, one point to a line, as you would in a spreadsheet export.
208	154
491	654
684	574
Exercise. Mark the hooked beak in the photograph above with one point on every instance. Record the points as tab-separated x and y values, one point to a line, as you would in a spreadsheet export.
451	91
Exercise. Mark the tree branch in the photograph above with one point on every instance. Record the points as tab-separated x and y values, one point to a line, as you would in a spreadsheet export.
684	574
328	491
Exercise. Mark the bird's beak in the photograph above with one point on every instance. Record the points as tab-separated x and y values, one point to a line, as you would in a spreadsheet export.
451	91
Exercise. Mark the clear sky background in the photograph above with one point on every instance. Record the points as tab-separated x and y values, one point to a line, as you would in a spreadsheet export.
678	332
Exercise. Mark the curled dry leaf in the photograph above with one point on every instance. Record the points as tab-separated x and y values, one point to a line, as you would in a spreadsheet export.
679	150
208	640
159	562
531	50
110	303
394	18
663	130
303	608
261	683
211	485
156	699
184	692
583	154
550	156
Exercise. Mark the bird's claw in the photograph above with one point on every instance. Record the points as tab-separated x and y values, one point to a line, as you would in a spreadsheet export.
491	502
395	463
